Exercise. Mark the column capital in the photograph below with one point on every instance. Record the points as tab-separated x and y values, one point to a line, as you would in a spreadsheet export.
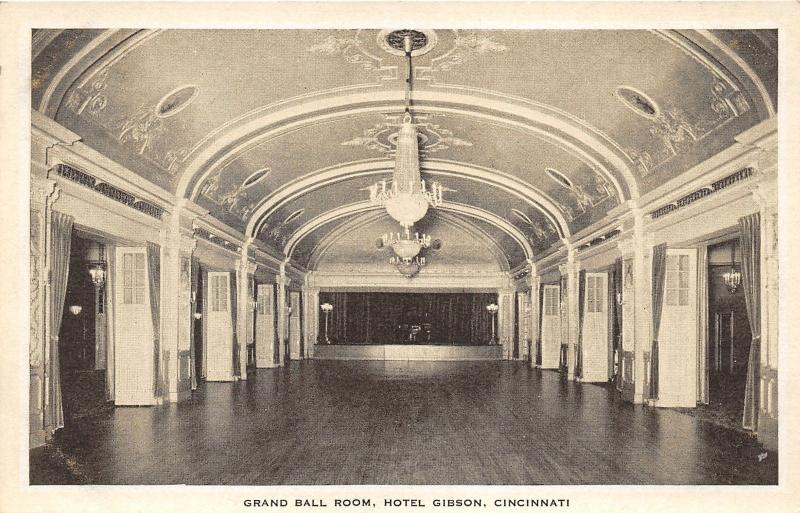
42	190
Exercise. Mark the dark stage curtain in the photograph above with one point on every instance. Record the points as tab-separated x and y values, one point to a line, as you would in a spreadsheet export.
384	318
659	277
234	317
60	246
581	298
154	276
750	234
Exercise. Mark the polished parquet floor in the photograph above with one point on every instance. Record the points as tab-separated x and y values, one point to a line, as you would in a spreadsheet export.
343	422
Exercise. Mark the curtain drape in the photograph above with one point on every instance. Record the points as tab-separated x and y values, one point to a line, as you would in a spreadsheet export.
60	246
204	320
616	319
750	243
234	317
111	252
581	298
374	318
539	334
154	275
192	339
702	324
659	277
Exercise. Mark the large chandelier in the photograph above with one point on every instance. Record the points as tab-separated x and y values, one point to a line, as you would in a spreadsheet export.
407	197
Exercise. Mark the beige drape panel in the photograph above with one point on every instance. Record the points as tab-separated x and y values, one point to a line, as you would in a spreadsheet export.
60	244
750	234
659	278
702	324
154	275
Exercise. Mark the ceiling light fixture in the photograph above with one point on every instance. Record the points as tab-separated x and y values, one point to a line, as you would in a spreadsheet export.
732	277
407	197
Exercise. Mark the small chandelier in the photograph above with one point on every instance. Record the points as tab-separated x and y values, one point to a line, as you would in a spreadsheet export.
410	267
404	246
732	277
407	197
97	263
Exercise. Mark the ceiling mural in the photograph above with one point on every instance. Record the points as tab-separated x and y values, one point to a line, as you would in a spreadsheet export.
547	130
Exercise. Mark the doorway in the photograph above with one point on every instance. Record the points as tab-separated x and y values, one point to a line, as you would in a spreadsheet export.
728	335
82	335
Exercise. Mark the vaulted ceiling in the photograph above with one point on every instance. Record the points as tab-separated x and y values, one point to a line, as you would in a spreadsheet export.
535	135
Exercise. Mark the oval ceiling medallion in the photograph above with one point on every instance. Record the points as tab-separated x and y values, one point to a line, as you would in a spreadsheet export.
559	177
422	41
176	100
256	177
522	216
638	102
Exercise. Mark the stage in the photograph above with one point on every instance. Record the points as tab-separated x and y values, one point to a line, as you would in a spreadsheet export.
407	352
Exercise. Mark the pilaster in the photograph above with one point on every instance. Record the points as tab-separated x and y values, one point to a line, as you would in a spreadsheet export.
534	282
282	282
43	193
246	305
570	270
311	317
642	298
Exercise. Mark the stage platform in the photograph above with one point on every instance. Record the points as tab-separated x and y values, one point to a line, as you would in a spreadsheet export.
407	352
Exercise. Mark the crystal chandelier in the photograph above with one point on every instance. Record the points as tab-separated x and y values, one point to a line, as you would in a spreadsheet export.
407	197
732	277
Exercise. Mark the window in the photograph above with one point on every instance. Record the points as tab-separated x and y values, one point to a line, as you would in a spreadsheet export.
594	294
677	280
219	293
133	278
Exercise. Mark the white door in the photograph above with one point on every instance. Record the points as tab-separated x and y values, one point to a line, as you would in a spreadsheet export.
595	340
551	327
134	375
219	357
265	328
294	326
677	348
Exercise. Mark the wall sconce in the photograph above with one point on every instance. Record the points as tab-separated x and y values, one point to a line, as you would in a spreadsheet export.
620	302
75	309
197	315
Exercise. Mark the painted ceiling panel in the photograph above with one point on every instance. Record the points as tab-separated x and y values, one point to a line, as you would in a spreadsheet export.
655	100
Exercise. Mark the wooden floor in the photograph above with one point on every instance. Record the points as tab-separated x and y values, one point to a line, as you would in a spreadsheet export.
341	422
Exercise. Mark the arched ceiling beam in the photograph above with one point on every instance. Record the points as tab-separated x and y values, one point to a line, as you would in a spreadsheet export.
507	183
547	123
365	219
365	206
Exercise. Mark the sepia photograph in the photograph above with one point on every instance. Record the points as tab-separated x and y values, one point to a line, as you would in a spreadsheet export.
313	259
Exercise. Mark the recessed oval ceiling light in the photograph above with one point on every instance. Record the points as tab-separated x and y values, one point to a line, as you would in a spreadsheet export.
522	215
256	177
176	100
638	102
559	177
294	215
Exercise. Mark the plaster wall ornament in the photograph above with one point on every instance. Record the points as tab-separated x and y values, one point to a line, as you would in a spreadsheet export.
237	200
431	137
352	49
91	96
466	47
41	192
676	133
